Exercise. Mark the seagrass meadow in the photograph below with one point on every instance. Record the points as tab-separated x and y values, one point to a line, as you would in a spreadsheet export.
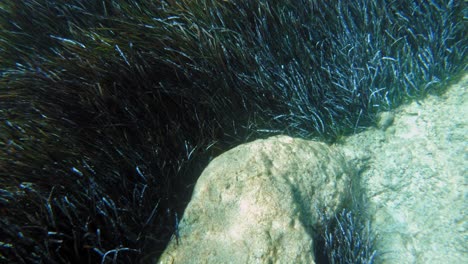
111	109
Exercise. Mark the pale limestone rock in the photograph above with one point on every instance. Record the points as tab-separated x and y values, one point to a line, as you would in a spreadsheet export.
258	202
414	179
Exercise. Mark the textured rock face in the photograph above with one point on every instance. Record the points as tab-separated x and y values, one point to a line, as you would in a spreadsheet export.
414	179
258	202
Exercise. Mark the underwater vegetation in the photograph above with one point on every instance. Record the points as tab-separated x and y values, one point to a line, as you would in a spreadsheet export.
346	239
110	109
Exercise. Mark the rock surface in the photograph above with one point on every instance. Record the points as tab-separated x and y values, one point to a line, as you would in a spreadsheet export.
414	179
258	202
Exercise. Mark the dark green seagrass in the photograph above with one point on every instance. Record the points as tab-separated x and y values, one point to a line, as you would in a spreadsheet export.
110	109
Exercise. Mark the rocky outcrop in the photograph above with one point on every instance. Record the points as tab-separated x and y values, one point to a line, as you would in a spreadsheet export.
414	179
260	203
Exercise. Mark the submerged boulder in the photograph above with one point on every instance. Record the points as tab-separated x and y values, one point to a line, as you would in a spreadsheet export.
260	203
